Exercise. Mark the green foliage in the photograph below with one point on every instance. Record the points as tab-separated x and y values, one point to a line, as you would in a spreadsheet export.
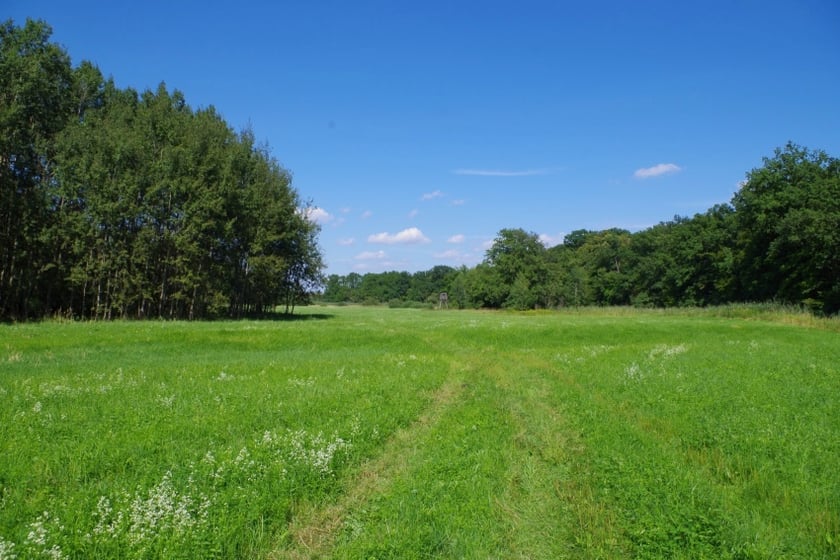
115	203
777	241
687	262
788	214
119	204
36	83
422	287
518	257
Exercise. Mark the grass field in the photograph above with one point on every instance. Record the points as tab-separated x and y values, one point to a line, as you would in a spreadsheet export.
388	433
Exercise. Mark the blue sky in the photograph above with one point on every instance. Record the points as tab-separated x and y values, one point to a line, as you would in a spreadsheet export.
418	130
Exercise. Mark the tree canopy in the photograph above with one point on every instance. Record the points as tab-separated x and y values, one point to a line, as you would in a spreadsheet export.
118	203
778	240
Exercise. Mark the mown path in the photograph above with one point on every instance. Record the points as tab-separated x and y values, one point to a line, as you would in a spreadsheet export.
585	440
373	434
314	529
518	495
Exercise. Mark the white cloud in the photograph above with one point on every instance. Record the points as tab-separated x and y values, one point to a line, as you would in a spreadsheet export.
346	242
413	213
366	214
450	254
371	256
458	238
431	195
317	215
551	240
657	170
459	202
459	257
499	173
410	235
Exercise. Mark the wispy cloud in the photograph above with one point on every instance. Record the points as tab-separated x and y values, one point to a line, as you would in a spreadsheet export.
432	195
346	242
413	213
457	256
458	238
551	240
366	214
317	215
459	202
406	236
500	172
657	170
449	254
371	256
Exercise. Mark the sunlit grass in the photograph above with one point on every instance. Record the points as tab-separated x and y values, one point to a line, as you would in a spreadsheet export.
372	432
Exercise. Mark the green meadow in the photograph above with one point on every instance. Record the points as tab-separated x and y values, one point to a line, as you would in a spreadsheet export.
355	432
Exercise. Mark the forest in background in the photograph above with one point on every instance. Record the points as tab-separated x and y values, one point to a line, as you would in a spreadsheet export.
119	204
777	240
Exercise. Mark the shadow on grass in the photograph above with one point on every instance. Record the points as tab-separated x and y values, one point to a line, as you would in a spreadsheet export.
279	316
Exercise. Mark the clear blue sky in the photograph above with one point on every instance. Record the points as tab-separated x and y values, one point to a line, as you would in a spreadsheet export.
420	129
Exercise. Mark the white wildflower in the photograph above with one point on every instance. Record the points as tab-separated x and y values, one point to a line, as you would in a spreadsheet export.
165	509
7	550
242	457
37	531
308	382
209	458
39	535
633	371
314	452
666	351
36	408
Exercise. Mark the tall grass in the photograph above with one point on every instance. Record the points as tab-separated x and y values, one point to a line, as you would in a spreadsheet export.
373	432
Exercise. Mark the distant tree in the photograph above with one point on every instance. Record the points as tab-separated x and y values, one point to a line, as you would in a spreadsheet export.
607	258
457	289
568	279
788	219
36	83
426	285
686	261
519	259
335	289
303	274
115	203
485	287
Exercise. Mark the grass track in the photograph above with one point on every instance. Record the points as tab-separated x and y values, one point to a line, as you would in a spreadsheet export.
373	433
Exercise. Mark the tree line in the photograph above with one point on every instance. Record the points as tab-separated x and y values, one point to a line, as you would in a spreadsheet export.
115	203
777	240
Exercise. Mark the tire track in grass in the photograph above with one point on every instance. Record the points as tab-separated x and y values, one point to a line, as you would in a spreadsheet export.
313	530
551	509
